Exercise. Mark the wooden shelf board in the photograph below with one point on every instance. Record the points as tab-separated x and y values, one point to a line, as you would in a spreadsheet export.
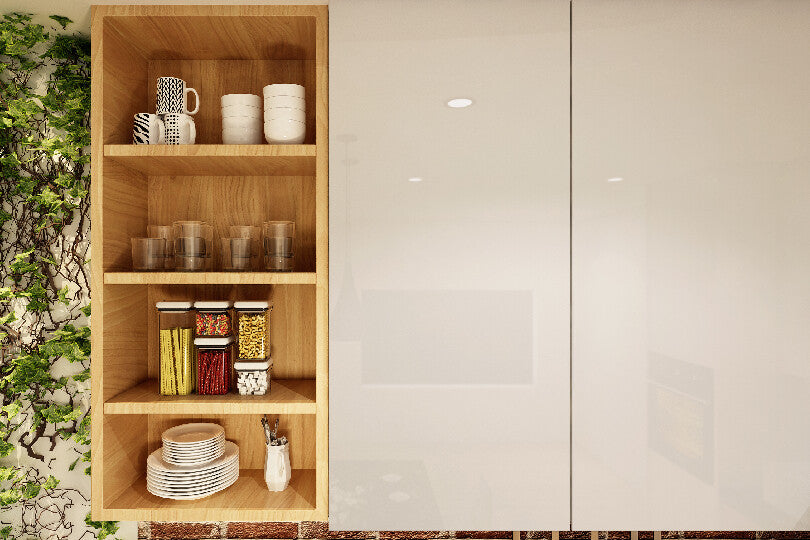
209	278
216	159
247	500
287	396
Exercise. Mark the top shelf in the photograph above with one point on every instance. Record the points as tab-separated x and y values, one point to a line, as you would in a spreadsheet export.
216	159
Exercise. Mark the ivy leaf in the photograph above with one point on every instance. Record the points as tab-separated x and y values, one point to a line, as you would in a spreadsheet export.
30	490
9	497
105	528
63	292
5	450
8	473
63	21
50	483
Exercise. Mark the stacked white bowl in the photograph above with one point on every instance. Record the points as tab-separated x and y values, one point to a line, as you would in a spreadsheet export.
241	119
284	113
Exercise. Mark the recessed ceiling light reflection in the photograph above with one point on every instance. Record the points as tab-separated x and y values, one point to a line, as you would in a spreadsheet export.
414	179
615	179
459	103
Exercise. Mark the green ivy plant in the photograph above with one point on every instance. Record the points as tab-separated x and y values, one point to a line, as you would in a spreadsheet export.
44	270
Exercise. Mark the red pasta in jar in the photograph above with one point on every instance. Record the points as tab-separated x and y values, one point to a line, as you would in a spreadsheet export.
213	365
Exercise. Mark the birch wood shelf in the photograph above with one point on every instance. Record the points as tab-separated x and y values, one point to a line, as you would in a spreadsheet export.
217	50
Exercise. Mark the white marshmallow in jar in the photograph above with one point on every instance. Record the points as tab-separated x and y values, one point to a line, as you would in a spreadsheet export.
253	378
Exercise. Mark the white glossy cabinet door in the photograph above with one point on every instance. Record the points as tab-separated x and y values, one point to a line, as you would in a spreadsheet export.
691	274
449	321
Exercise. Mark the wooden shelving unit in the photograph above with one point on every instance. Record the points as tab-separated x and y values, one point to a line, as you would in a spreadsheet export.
216	50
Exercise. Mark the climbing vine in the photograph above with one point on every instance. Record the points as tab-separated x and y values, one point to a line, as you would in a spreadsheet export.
44	275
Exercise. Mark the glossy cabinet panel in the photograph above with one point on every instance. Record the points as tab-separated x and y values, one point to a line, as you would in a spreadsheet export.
691	265
449	296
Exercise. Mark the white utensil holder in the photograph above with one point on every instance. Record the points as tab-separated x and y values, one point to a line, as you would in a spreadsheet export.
277	470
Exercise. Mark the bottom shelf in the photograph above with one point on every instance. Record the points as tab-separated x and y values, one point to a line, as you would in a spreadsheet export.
247	500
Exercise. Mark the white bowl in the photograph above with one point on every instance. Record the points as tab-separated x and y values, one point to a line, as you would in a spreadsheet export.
251	100
241	136
285	113
242	122
285	101
280	131
241	110
295	90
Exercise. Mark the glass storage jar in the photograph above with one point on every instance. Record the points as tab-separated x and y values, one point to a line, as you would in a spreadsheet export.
212	319
176	348
253	377
252	327
213	365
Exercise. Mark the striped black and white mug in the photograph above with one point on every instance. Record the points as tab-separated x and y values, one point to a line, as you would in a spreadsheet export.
148	129
172	96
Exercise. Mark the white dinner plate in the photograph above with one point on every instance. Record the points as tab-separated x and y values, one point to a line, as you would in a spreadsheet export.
193	487
193	433
156	462
183	482
188	479
189	497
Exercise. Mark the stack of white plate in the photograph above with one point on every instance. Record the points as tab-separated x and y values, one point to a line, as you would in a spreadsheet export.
192	444
193	478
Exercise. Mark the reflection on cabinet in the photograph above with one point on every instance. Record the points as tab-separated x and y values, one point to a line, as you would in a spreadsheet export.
217	50
449	301
690	275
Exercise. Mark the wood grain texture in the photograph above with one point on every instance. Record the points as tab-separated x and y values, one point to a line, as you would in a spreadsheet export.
96	266
124	212
322	261
286	396
247	499
123	459
209	278
223	201
215	159
218	32
125	321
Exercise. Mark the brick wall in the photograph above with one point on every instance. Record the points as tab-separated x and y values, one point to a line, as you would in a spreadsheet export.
316	530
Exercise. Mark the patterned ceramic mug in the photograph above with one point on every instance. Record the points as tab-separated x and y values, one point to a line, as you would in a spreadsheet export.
172	96
148	129
180	129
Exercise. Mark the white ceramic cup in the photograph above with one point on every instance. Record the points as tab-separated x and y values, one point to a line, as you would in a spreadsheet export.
251	100
180	129
148	128
283	131
285	101
172	96
285	113
244	135
295	90
242	122
241	110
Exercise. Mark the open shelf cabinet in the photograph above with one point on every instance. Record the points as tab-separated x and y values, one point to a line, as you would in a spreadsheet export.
216	50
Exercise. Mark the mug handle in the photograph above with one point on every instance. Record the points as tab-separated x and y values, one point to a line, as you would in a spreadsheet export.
161	131
197	100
